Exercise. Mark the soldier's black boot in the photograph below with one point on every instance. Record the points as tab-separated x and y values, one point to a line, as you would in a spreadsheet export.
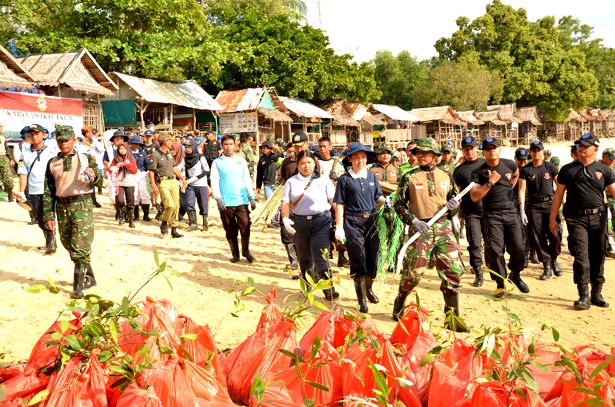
478	276
245	249
78	276
371	296
234	245
10	195
360	288
500	290
398	305
130	215
159	212
533	257
341	259
330	293
192	221
117	212
596	297
453	322
175	234
164	227
136	212
515	278
122	219
145	209
94	201
546	271
89	280
583	303
557	271
33	220
205	223
50	242
293	264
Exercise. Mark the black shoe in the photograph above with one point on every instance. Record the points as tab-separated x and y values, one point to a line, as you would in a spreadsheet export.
205	223
89	280
398	305
164	227
145	209
557	271
122	217
248	256
130	215
342	260
331	294
478	276
50	242
159	212
234	245
175	234
371	296
517	281
94	201
583	303
534	258
136	212
546	273
361	291
78	276
596	297
453	322
192	221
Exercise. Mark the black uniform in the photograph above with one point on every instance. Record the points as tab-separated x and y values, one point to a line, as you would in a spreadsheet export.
502	225
359	195
471	211
586	218
539	196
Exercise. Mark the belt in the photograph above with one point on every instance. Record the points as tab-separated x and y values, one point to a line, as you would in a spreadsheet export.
541	199
592	211
310	217
74	198
164	178
364	215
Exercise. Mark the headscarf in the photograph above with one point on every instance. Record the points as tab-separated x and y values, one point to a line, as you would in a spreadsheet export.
193	158
177	151
121	158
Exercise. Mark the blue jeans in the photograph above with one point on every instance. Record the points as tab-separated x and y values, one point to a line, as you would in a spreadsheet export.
269	190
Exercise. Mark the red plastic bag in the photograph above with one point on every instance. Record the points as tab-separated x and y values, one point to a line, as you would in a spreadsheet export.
9	372
330	326
80	383
496	394
410	326
25	385
42	354
136	397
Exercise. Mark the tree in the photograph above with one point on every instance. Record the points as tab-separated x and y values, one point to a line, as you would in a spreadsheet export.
398	76
530	57
464	85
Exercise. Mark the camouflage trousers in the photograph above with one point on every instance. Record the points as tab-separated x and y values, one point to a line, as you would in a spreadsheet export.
612	210
6	175
76	229
441	241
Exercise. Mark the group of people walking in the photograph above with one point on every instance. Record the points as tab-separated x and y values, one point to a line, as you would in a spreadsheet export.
333	201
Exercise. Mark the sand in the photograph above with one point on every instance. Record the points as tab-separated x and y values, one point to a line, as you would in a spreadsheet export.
123	258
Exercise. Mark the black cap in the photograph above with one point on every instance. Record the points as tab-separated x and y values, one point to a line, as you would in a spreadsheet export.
536	144
148	133
36	127
267	143
469	141
521	153
490	141
299	138
573	148
24	132
588	140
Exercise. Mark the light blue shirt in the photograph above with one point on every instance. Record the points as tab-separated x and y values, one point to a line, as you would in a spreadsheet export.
36	167
230	180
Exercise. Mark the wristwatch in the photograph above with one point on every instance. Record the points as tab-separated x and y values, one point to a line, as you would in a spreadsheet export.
489	184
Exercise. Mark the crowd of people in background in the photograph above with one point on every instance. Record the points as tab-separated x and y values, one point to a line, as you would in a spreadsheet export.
331	201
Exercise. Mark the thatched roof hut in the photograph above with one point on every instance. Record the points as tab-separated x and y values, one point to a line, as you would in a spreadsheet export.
306	116
12	73
468	117
441	123
341	117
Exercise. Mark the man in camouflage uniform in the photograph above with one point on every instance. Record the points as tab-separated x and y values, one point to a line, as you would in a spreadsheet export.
248	153
69	182
386	172
422	193
447	163
6	162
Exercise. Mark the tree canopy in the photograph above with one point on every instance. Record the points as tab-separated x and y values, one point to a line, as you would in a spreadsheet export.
397	77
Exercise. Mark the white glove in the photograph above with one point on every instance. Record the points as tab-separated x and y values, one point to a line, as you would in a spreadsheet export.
288	225
456	223
21	197
523	218
452	204
340	235
192	179
114	169
420	226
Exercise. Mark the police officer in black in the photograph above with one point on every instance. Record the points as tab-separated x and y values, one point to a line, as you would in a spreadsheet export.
586	217
495	180
470	211
521	157
536	188
357	195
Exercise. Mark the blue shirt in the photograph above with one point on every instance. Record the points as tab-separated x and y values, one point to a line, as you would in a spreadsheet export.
230	180
140	156
35	162
358	193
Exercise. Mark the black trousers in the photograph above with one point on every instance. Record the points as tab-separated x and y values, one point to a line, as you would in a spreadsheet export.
312	241
362	244
587	240
503	232
37	208
474	235
236	219
286	237
547	245
125	197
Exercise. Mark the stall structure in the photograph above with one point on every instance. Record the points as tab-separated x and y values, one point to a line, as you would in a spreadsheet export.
74	75
13	76
472	123
501	123
529	124
441	123
370	125
140	102
342	128
306	117
256	111
398	129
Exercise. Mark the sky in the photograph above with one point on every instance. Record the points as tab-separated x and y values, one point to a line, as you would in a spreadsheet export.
362	27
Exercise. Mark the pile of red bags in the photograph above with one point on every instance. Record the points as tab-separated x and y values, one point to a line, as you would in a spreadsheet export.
342	358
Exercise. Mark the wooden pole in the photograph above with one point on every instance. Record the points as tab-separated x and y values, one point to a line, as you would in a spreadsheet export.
171	120
194	119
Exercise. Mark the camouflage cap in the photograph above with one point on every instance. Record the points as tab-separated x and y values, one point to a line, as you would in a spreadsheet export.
382	148
555	160
447	147
426	144
164	136
64	132
609	152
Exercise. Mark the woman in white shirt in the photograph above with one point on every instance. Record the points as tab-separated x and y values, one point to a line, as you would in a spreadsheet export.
197	191
306	214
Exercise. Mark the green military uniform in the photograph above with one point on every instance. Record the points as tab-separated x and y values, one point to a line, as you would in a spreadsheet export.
248	153
67	194
386	174
448	167
6	174
422	193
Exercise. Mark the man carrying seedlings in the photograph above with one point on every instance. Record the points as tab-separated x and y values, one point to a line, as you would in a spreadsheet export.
69	182
422	192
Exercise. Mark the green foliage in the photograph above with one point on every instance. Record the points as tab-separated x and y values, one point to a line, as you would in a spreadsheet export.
398	76
536	65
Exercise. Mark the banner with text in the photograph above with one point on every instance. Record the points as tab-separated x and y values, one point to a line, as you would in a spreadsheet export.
18	110
242	122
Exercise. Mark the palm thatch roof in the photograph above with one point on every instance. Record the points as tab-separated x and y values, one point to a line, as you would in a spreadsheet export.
528	114
12	73
361	113
469	117
506	113
276	115
490	117
573	116
339	113
75	69
437	114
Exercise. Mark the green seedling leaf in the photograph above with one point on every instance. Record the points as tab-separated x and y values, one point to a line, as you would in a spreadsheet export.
40	396
318	385
600	367
189	337
37	288
555	334
53	287
308	402
73	342
247	291
315	347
